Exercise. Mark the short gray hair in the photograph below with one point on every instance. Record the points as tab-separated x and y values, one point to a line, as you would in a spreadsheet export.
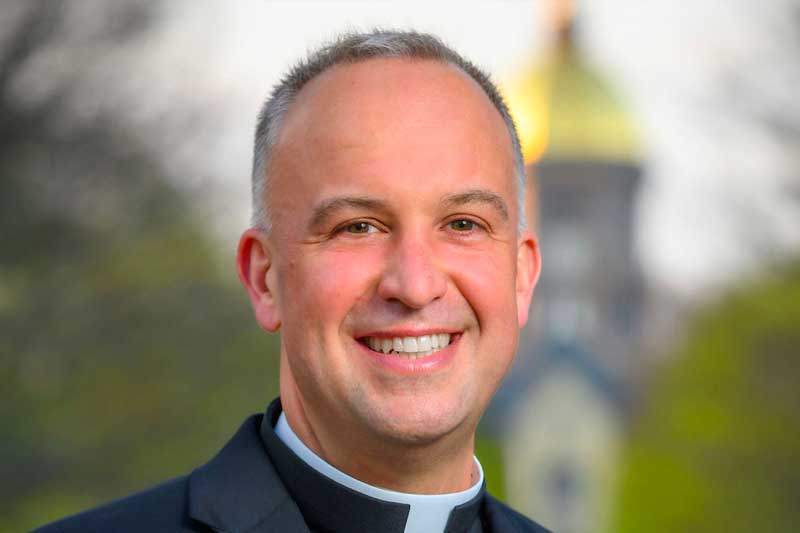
352	48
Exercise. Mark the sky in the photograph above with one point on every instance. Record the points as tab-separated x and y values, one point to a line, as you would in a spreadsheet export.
697	79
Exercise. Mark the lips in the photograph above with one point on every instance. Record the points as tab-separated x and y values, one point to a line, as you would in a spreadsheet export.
408	347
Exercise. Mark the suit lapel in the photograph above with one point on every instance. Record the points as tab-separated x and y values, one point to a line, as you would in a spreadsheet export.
499	518
494	519
239	490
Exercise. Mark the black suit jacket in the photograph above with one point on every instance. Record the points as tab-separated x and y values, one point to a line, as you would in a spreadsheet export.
237	491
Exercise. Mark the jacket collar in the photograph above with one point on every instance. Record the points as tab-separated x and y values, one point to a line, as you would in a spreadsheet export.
499	518
239	490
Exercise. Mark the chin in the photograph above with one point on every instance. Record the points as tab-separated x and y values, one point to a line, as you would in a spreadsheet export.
422	424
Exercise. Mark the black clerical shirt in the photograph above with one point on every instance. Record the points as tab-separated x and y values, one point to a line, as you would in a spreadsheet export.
330	507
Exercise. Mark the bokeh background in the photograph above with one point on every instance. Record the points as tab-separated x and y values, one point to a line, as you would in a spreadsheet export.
657	386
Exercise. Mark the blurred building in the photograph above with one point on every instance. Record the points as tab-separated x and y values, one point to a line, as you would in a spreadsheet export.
562	408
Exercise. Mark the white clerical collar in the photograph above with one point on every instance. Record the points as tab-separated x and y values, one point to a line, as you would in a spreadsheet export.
427	512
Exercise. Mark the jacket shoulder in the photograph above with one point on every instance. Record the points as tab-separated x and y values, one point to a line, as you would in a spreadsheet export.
500	513
159	508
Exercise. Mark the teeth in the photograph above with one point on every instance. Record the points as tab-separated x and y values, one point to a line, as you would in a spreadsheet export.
409	344
409	347
424	343
444	339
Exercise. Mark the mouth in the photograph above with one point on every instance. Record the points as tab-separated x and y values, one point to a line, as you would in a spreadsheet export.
409	347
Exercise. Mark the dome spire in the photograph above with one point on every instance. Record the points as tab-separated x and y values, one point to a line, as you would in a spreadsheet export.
561	15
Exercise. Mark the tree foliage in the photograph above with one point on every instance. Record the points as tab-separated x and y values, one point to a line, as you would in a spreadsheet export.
125	356
717	446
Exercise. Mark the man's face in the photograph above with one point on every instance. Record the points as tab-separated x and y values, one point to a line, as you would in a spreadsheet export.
394	216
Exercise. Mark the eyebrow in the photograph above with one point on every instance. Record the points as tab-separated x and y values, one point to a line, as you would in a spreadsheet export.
483	196
331	206
328	208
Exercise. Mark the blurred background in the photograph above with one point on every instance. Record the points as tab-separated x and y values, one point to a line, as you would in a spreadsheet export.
657	386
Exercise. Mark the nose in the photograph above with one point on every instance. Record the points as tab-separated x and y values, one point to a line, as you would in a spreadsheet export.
412	274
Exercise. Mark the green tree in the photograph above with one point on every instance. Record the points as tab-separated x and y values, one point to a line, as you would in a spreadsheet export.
716	446
125	356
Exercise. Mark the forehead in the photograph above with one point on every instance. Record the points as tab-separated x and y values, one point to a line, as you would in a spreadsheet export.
378	92
387	84
395	121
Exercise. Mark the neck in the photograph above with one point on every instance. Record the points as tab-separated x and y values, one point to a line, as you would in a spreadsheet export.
440	467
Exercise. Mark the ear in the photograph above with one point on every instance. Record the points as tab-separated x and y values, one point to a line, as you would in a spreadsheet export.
529	264
256	272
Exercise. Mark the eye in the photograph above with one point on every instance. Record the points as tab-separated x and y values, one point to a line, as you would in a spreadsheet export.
463	224
359	227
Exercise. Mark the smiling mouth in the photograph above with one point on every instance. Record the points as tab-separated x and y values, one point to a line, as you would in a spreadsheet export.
408	347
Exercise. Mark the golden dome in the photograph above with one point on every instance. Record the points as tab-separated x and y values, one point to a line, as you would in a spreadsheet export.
565	110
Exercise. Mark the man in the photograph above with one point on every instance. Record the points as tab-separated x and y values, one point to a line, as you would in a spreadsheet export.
390	249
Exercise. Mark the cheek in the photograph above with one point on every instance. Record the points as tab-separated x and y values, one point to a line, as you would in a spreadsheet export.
486	281
323	286
320	290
